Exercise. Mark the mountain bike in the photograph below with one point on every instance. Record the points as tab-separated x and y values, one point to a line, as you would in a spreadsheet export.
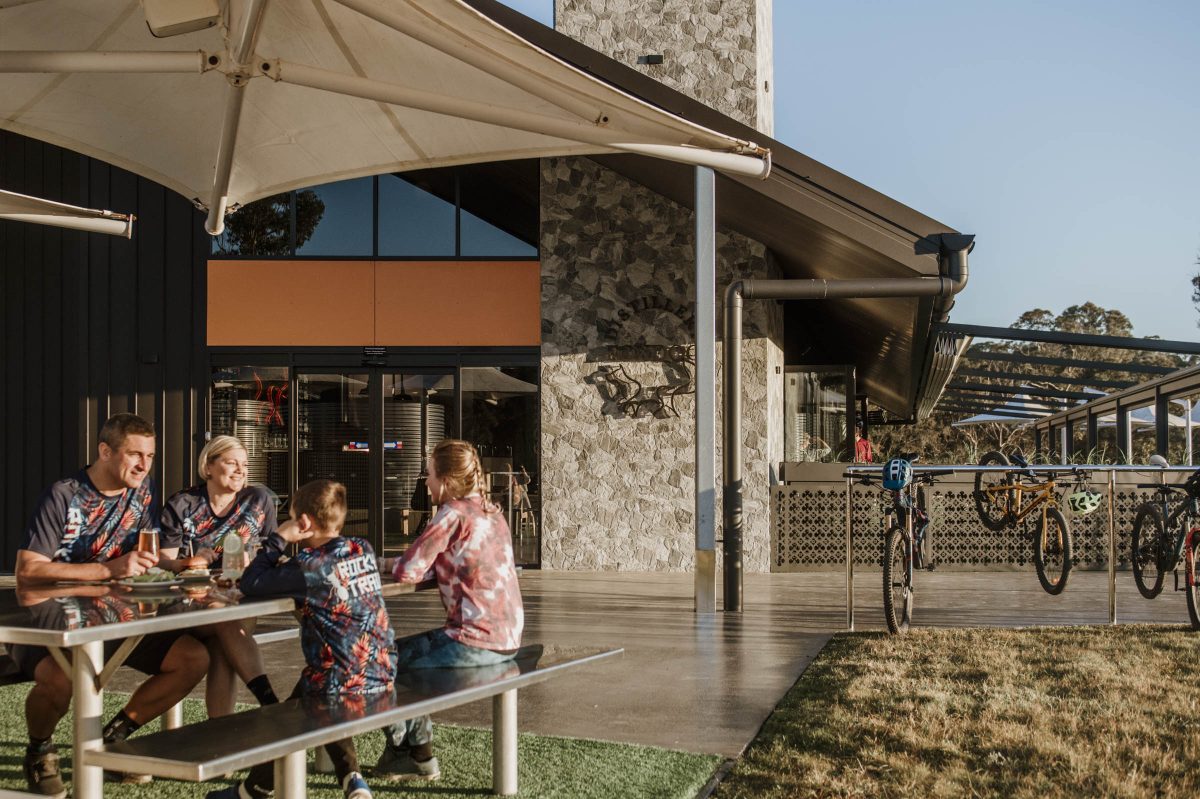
1006	499
1164	538
904	548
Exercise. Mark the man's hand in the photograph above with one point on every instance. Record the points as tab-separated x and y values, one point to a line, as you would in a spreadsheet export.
130	565
291	531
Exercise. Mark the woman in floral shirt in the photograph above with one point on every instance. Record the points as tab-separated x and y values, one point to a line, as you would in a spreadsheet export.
468	548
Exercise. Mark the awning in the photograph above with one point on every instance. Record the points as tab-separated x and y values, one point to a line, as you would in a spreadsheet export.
817	222
283	95
23	208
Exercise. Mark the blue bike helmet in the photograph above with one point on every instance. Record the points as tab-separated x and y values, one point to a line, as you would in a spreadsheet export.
897	473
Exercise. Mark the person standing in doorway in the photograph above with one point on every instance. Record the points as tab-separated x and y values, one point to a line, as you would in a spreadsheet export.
863	452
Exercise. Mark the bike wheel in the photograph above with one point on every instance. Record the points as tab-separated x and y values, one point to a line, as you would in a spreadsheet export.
1149	530
897	583
1193	589
991	503
1052	552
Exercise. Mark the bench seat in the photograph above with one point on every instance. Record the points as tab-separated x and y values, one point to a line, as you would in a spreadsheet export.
217	747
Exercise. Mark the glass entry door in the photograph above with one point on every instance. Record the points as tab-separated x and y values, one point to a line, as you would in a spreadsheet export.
419	410
334	438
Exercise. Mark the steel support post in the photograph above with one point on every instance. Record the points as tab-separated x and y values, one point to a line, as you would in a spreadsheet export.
504	743
1112	547
849	554
291	776
87	705
706	391
731	454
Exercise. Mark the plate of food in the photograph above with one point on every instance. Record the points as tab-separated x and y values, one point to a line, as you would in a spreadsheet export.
153	580
196	575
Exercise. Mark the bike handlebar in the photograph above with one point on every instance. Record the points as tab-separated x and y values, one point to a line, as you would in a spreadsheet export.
1161	487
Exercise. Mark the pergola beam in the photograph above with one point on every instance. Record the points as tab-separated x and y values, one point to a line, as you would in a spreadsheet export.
1071	381
1067	363
1032	391
1080	339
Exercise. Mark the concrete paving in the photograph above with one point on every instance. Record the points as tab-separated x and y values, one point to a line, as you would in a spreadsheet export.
707	683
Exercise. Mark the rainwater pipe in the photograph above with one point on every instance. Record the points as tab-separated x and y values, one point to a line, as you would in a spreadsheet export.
951	249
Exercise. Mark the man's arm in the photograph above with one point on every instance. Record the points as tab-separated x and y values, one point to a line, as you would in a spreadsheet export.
34	567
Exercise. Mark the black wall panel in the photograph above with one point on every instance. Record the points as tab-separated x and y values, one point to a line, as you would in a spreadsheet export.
93	325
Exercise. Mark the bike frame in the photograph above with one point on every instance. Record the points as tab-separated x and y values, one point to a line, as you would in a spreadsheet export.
1181	550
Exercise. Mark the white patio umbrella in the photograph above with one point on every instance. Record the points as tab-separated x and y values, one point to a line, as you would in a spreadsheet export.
285	94
1017	404
23	208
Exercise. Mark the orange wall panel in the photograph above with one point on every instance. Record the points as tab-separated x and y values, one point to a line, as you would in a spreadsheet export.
290	303
458	304
389	303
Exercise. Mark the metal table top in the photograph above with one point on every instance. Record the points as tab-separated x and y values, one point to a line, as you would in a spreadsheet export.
67	615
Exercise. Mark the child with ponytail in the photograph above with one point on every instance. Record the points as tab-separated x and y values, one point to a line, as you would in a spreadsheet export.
468	548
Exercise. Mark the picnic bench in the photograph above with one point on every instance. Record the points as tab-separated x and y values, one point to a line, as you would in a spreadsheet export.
282	733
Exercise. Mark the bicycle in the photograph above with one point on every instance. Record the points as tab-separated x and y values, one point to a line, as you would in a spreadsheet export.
1153	552
1006	500
904	541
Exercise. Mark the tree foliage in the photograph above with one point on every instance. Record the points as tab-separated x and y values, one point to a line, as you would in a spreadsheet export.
264	227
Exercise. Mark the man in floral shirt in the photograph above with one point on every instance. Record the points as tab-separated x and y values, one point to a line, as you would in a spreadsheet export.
344	628
85	528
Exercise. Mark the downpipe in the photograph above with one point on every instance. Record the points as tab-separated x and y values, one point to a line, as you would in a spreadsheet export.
952	250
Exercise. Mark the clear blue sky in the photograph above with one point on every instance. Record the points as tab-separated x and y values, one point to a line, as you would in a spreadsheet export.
1064	133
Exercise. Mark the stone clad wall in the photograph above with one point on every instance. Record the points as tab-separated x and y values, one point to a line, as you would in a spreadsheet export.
618	266
717	51
617	288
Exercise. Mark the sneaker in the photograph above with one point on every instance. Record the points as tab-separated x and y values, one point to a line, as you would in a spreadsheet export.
398	764
355	787
126	779
42	774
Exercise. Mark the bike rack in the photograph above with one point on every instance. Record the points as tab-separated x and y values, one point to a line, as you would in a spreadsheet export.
873	471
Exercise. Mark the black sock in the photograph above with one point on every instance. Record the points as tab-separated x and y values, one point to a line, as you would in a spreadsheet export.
260	686
38	745
120	728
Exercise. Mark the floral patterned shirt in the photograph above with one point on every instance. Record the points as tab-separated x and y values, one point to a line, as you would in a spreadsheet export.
469	550
344	629
188	519
74	523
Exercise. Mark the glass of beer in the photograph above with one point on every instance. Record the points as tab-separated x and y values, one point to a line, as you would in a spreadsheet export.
148	542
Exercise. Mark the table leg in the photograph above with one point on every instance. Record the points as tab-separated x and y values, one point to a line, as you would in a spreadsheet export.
87	705
173	718
504	743
291	777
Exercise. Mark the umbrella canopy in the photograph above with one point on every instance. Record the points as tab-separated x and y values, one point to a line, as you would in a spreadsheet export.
281	95
1018	404
23	208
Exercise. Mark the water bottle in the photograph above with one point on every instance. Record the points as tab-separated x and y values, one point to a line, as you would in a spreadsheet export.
231	557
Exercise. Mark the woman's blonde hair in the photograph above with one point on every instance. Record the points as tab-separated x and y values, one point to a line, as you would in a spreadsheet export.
458	467
215	448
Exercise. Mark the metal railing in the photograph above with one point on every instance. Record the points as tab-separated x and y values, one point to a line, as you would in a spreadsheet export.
1110	472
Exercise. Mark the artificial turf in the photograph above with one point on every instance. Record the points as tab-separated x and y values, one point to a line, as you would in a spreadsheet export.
548	766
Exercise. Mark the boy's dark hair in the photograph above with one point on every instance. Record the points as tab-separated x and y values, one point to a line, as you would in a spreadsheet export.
324	501
120	426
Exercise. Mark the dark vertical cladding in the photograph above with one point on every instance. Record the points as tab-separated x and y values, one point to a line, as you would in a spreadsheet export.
94	324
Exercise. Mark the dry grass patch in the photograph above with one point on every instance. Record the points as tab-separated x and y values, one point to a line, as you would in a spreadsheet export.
1089	711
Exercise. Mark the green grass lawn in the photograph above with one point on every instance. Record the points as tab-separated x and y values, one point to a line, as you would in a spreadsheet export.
1061	712
549	767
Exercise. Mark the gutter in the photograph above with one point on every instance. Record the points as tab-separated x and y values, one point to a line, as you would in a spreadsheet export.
952	250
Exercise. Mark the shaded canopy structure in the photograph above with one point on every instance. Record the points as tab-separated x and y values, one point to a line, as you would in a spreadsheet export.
277	96
23	208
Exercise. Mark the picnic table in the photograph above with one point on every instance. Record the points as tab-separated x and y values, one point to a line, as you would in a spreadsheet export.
76	641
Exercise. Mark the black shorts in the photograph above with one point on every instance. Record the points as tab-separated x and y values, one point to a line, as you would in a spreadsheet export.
147	657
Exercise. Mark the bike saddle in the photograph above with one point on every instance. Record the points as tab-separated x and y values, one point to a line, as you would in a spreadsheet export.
1018	460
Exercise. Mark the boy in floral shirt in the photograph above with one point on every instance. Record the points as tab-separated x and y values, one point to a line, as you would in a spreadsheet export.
344	629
